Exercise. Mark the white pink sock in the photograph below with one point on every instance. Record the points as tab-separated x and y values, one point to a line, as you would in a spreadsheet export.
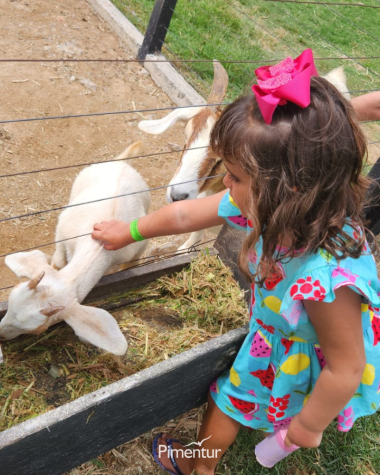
273	449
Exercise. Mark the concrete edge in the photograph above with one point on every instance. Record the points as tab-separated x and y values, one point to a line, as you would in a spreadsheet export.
163	74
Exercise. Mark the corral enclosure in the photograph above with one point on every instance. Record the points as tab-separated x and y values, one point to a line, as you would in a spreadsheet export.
44	29
39	374
48	29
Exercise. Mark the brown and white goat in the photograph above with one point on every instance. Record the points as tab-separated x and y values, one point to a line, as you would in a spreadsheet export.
197	160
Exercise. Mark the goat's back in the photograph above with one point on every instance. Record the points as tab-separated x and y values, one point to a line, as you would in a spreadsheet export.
112	191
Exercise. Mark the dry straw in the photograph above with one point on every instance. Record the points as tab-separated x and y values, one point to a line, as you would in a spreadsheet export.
171	315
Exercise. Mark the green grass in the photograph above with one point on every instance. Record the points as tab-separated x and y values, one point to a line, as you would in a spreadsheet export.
254	30
353	453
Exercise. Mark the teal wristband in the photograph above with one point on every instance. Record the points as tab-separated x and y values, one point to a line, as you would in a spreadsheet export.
135	233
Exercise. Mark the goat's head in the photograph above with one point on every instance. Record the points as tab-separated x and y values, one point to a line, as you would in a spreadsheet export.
197	160
28	310
31	304
45	300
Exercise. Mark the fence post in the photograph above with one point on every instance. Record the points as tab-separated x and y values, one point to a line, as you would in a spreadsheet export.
372	212
158	26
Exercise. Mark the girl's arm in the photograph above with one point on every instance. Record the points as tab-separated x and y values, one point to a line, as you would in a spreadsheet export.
367	106
339	329
176	218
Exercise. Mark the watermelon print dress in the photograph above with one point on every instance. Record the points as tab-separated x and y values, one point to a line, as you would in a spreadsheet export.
280	360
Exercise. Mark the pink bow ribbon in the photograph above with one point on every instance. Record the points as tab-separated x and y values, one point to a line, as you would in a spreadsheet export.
285	81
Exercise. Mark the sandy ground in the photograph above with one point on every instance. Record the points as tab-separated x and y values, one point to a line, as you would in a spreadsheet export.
44	29
53	30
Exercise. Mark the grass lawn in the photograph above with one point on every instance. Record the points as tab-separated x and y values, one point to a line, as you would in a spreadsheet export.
255	30
353	453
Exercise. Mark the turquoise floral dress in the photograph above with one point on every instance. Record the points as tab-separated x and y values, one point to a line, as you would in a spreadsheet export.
280	360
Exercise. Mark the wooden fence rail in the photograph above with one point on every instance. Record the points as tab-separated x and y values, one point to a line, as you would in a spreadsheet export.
62	439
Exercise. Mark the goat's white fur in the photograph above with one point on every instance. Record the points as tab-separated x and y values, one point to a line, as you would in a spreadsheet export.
191	159
80	262
159	126
337	78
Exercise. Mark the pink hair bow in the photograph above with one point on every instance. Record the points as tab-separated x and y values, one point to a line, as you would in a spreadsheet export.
285	81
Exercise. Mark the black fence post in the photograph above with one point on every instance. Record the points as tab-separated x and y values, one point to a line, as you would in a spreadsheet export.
158	26
372	213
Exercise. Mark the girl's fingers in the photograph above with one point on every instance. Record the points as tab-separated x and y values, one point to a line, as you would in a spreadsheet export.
97	235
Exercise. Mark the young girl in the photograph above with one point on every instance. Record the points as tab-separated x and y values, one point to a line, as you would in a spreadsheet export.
294	154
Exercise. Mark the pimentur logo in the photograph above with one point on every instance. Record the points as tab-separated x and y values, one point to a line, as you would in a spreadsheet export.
190	453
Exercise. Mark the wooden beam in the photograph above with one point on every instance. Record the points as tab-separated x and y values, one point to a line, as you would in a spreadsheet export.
55	442
228	244
58	441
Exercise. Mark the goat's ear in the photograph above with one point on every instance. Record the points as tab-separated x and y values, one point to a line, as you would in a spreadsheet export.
131	151
27	264
337	78
157	127
98	327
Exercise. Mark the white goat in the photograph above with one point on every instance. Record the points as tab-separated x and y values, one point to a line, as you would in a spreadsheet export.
201	163
54	295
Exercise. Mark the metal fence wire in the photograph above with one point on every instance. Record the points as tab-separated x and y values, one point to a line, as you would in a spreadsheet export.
198	70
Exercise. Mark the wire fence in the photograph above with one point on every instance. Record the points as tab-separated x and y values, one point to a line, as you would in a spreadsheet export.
133	111
140	262
199	69
59	208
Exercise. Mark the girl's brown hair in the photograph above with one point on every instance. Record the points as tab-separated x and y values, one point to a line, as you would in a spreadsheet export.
305	172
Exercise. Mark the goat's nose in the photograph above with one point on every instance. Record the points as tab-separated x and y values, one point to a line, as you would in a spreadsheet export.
182	197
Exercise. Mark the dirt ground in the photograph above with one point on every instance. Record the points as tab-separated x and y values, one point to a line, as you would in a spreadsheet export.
52	30
46	29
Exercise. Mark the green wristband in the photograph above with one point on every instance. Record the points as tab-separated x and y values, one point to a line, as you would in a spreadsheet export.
135	233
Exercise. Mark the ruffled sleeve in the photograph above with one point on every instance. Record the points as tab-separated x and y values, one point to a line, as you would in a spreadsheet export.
229	210
321	283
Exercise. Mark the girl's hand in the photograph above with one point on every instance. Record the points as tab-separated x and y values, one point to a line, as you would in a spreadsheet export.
113	233
300	435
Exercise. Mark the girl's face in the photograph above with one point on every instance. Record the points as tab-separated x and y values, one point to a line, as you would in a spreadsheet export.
238	183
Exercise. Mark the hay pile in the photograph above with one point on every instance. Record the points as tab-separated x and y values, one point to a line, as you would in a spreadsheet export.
171	315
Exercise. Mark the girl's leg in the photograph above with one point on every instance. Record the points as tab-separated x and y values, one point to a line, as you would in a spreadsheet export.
223	431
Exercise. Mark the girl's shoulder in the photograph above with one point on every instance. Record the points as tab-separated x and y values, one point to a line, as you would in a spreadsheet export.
317	277
229	210
363	265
